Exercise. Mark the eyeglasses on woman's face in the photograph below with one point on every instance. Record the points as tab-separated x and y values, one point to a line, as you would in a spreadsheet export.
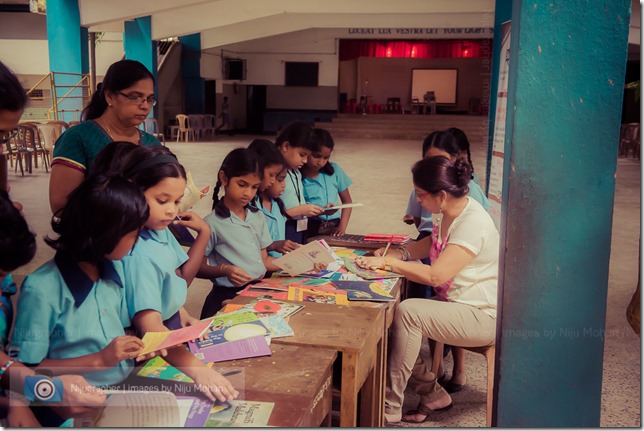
7	136
138	98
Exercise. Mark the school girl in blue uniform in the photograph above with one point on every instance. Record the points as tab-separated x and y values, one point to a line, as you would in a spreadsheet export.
324	182
273	208
72	310
294	142
158	270
236	253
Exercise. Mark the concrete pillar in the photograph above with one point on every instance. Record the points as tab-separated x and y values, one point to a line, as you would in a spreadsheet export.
67	42
138	45
194	85
567	68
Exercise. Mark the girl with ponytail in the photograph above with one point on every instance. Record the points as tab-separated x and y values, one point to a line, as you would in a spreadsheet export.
236	254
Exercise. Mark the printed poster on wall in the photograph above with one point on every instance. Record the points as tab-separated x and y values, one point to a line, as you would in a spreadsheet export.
498	143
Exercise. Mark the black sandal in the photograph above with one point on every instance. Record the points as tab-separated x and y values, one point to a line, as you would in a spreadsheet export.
422	409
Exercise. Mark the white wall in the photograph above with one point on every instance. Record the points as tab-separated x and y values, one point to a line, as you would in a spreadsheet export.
24	48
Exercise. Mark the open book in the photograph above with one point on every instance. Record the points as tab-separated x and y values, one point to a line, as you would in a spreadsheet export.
303	259
144	409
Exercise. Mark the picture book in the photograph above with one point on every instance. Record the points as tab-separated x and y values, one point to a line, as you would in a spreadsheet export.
265	308
230	327
368	274
237	349
320	296
278	326
194	411
154	341
363	290
303	259
242	414
342	252
158	368
264	293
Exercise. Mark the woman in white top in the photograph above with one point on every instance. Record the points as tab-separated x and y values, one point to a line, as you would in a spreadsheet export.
464	254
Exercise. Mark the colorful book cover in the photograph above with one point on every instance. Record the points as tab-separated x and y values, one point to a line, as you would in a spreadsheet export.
368	274
230	327
263	293
158	368
196	415
238	349
154	341
363	290
277	326
342	252
264	308
242	414
320	296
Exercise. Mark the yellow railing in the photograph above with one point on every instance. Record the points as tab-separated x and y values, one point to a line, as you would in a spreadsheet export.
83	83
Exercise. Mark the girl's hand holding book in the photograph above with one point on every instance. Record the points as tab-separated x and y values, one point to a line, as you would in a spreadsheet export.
192	221
311	210
120	348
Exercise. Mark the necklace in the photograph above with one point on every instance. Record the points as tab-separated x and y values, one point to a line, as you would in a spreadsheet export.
109	132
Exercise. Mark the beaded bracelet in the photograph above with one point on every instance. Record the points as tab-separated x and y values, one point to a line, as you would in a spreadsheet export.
405	254
5	366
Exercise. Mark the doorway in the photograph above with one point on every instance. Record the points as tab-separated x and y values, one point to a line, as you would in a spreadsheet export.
255	108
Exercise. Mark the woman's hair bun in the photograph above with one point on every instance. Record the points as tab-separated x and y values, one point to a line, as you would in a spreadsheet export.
463	171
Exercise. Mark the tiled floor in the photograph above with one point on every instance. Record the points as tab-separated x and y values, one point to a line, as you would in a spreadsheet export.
380	170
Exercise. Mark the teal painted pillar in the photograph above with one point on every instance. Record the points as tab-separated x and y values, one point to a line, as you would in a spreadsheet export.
194	84
502	13
567	68
67	42
138	45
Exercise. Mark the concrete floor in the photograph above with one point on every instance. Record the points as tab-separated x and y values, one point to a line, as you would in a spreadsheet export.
380	170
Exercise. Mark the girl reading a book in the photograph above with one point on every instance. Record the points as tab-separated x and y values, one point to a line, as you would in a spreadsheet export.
268	196
323	182
294	142
158	270
72	310
237	252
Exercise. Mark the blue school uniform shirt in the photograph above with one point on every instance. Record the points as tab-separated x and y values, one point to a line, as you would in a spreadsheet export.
293	195
237	242
416	210
63	314
276	223
325	188
9	289
151	280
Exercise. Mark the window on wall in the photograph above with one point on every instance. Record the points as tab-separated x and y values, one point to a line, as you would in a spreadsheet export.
301	74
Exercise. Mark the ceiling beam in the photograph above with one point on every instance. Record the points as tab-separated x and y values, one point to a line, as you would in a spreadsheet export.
286	23
94	13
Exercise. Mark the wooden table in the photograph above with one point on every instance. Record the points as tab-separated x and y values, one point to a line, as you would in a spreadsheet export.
297	379
356	332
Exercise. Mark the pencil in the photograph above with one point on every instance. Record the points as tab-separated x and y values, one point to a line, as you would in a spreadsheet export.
391	238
